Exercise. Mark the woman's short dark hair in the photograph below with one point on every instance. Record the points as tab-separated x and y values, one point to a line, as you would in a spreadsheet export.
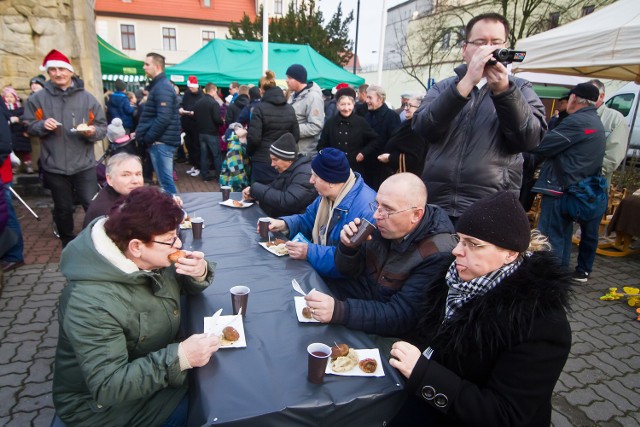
145	213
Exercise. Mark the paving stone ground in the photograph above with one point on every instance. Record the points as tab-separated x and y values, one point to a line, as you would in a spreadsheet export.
600	385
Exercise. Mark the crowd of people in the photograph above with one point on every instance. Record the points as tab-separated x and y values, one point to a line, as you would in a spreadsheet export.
475	301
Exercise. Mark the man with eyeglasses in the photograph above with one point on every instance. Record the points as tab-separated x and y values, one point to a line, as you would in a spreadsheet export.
478	123
388	275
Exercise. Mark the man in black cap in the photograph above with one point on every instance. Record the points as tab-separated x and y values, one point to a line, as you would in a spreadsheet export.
573	151
291	192
561	107
308	103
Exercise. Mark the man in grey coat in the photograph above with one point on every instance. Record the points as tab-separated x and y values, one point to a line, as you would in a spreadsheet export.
68	120
308	103
477	123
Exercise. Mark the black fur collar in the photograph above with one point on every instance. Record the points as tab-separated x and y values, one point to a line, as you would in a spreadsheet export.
504	315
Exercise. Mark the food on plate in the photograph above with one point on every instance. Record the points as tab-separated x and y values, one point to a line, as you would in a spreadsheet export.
368	365
237	203
230	334
339	350
82	127
177	254
306	313
345	363
276	242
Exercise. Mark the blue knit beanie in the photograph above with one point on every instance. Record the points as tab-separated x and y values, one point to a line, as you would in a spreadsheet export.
331	165
297	72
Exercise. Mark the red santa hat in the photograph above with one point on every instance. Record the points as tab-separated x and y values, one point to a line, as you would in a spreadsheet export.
338	87
192	81
55	59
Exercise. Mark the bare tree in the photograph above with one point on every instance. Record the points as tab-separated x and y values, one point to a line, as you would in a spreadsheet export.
429	45
437	34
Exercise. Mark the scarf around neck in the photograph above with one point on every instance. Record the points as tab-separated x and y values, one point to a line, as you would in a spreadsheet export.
461	292
325	212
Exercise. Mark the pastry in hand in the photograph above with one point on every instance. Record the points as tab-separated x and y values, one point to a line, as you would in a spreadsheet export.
83	127
306	313
177	254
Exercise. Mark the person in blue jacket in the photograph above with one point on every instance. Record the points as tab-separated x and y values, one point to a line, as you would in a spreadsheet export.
159	126
119	106
343	197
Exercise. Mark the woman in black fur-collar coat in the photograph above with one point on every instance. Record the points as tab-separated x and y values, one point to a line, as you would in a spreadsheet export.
494	336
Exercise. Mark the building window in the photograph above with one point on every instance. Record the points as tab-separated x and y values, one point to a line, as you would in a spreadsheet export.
462	36
446	40
169	39
277	7
587	10
554	20
128	35
207	36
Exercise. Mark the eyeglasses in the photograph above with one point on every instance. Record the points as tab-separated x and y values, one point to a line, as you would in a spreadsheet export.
468	244
173	242
481	42
408	106
375	207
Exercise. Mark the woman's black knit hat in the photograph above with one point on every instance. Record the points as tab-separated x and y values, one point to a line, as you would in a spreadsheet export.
498	219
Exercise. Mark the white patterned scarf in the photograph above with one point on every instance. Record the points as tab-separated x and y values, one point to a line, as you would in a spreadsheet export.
461	292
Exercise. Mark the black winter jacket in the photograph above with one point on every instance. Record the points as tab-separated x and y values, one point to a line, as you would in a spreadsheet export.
388	278
159	120
497	360
352	135
188	103
573	150
271	118
384	121
234	110
207	115
475	142
408	142
290	193
19	142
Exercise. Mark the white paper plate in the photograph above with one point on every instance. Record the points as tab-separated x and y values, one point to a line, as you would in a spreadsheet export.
229	203
278	250
300	304
365	353
223	321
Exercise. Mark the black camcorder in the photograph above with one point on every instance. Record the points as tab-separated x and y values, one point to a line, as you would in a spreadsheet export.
507	56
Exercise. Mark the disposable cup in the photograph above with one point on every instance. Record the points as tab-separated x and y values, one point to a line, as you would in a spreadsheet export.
263	227
239	298
226	192
196	228
318	355
364	230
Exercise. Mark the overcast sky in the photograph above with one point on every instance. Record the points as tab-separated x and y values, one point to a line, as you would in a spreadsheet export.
370	18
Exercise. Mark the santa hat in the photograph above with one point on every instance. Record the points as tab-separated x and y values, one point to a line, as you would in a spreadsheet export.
338	87
55	59
192	81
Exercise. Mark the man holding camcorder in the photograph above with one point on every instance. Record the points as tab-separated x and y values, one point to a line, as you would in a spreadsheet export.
478	122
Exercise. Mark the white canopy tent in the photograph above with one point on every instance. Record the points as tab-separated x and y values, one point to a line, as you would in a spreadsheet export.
604	44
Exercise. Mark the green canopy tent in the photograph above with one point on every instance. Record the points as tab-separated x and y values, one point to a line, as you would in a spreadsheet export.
225	61
116	65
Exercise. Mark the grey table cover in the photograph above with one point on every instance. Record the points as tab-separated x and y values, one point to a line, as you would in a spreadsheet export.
265	383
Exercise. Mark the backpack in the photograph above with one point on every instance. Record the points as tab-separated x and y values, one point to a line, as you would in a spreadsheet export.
585	200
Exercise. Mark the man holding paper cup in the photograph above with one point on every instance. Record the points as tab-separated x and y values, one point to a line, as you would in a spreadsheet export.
389	272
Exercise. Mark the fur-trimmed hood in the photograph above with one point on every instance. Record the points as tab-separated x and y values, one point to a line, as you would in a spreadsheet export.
505	315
